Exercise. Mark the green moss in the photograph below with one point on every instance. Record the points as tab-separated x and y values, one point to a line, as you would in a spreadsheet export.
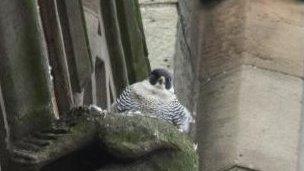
24	72
137	136
148	143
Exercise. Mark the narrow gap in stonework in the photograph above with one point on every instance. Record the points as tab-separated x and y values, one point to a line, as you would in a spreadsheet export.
100	76
99	29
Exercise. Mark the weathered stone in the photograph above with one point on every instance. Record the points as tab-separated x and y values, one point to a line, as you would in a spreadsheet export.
124	138
269	120
24	73
115	47
26	81
239	168
274	36
4	135
57	56
76	45
93	5
102	78
186	59
133	40
245	131
126	42
249	64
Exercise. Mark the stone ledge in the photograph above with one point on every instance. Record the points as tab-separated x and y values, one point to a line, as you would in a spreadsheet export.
240	168
150	2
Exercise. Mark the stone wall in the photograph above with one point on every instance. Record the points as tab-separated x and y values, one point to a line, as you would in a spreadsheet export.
159	20
54	55
248	64
186	59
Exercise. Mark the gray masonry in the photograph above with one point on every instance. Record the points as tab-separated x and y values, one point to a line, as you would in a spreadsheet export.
53	56
245	62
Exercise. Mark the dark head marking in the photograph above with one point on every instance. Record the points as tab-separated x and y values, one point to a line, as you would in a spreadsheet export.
157	73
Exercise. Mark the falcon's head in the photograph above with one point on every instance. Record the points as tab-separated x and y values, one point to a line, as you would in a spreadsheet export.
161	78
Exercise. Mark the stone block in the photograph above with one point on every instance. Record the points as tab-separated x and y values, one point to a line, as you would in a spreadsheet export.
217	122
269	119
250	118
222	25
266	34
274	36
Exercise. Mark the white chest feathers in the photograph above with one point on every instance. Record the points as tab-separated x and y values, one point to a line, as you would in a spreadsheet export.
147	92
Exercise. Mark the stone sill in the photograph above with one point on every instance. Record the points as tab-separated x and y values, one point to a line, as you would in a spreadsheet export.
151	2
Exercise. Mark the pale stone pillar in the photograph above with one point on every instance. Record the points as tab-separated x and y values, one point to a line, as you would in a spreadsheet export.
251	92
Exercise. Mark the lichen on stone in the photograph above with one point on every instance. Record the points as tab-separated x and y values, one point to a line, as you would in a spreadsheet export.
138	142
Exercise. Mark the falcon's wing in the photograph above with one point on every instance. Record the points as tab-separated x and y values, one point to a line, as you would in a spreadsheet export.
126	101
181	116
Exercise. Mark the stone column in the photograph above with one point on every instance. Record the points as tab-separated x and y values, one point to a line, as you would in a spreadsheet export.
114	43
24	69
75	40
133	40
250	72
250	105
57	56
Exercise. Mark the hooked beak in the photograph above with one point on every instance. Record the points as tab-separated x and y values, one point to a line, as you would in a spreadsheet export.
161	80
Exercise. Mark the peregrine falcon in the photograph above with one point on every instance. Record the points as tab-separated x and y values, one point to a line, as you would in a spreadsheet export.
155	97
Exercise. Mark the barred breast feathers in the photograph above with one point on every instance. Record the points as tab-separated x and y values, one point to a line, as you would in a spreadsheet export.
144	97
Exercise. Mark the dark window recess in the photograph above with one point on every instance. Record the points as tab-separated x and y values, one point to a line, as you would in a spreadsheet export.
101	90
99	29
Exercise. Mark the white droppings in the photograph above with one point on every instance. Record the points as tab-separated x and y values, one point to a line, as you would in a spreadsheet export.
129	113
95	107
156	133
137	112
181	130
134	113
98	109
50	69
193	121
195	145
50	73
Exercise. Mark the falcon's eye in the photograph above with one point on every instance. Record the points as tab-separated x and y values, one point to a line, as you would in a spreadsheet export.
161	80
153	79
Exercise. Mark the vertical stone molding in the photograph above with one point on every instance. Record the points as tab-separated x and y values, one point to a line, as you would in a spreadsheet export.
76	44
57	56
24	69
115	46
